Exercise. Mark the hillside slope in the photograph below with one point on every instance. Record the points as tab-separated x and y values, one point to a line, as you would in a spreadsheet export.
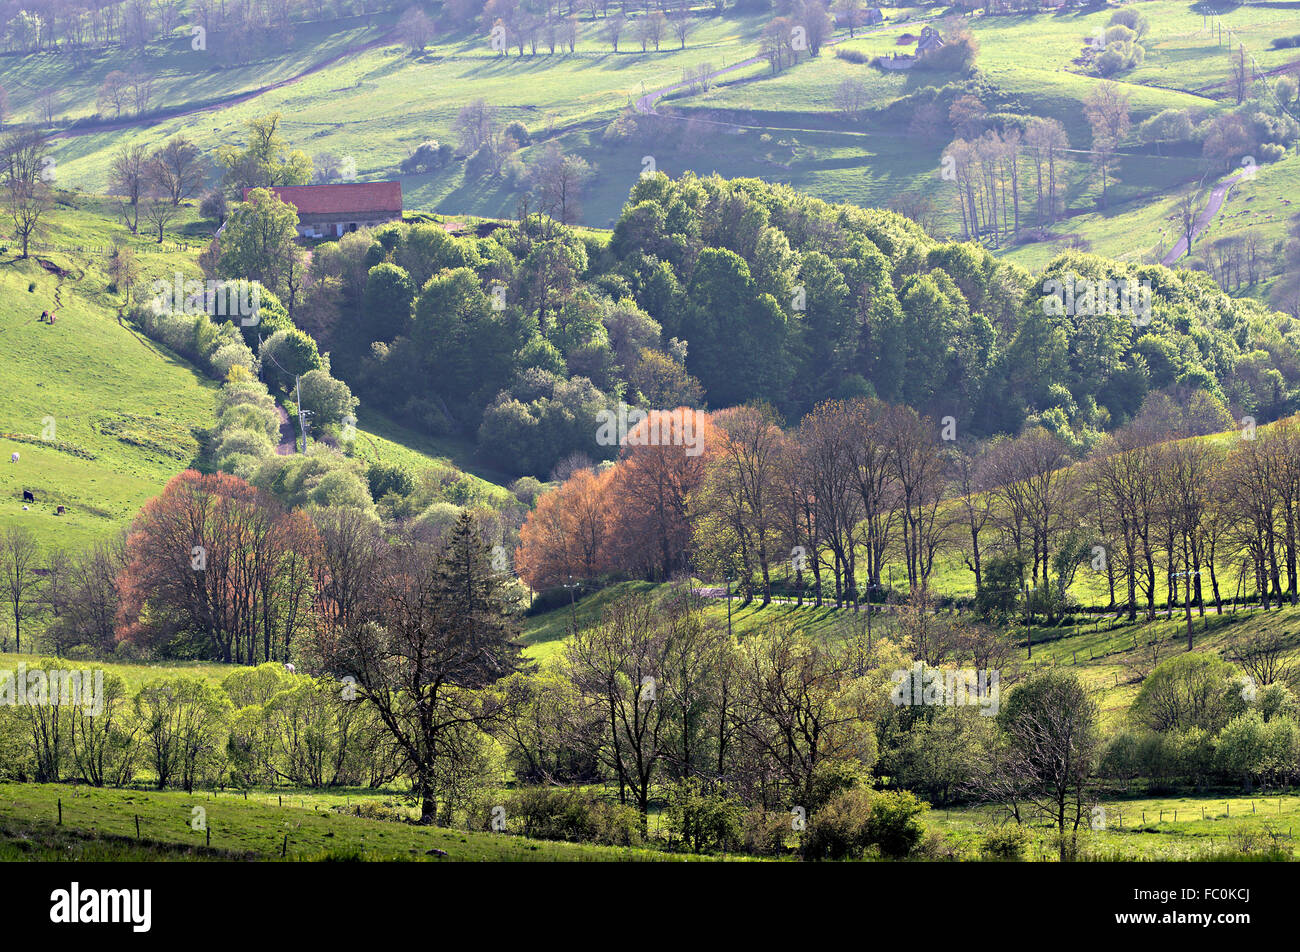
100	416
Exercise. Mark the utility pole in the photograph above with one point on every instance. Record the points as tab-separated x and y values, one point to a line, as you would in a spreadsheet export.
302	426
573	603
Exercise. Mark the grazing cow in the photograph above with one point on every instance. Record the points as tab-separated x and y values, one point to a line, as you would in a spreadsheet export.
14	458
60	511
29	496
290	668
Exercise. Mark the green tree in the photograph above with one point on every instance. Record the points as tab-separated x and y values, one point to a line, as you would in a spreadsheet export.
287	355
386	305
265	160
327	399
259	244
464	347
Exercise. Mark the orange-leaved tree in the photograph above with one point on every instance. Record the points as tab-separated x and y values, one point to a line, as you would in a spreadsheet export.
214	560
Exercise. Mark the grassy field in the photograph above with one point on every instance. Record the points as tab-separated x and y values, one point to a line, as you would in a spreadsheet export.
1152	829
362	95
100	416
378	104
1110	656
100	824
134	674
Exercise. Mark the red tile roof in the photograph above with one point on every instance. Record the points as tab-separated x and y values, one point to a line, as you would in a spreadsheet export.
341	199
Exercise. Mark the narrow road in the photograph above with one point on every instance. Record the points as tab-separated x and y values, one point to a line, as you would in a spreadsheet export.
646	104
288	435
1203	220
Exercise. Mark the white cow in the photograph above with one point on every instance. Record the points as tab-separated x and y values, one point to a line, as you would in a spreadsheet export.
14	458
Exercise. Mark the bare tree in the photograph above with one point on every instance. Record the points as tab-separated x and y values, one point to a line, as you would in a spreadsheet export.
1050	724
1045	140
558	179
27	204
850	97
141	91
620	670
1107	109
1187	213
178	169
1265	657
681	21
614	27
114	92
24	156
416	29
47	105
19	557
436	628
128	178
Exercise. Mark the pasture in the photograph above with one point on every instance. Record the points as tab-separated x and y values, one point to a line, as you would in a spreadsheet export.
360	94
100	824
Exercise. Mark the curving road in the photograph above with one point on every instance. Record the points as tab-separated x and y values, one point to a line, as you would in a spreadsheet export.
1207	215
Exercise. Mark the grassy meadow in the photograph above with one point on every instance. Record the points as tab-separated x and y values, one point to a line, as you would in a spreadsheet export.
100	824
361	94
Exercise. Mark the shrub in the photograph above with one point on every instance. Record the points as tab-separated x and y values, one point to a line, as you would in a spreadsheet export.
893	825
243	441
561	813
832	777
1188	690
384	478
516	132
481	163
341	487
838	830
229	355
250	417
764	832
855	820
213	206
1132	19
1004	843
1119	56
616	824
327	398
429	155
703	820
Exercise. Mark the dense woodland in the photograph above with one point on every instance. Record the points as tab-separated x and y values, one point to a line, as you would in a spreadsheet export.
714	293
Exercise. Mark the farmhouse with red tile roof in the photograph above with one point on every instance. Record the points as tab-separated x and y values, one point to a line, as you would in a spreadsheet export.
327	211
